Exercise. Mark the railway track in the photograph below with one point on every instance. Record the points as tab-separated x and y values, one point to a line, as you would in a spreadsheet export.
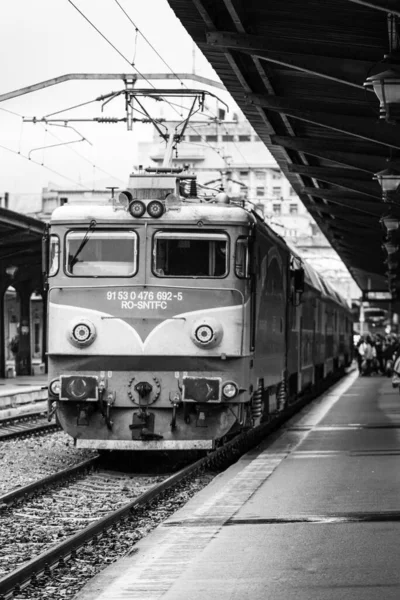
26	524
25	425
21	570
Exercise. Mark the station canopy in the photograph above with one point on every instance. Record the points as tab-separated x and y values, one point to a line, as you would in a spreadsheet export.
297	70
20	240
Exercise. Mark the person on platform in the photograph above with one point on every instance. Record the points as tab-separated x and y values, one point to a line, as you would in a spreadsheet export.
367	353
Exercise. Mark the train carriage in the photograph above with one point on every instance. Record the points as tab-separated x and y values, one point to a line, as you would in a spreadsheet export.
176	322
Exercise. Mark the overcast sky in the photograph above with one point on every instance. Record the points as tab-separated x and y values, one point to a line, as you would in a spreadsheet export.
47	38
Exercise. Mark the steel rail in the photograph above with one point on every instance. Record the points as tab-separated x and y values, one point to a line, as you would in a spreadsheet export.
38	428
228	453
41	484
22	576
21	417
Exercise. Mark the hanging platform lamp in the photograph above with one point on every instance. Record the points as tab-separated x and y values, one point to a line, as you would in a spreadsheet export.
386	86
390	247
390	223
389	180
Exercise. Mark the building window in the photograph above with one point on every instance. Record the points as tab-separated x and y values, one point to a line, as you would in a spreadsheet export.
293	209
276	209
276	192
257	138
260	191
211	138
292	192
63	201
260	175
194	138
244	138
243	174
227	138
276	174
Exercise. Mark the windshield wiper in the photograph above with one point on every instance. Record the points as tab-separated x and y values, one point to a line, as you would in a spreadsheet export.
74	259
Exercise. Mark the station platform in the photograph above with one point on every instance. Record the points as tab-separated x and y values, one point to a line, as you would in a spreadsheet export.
311	514
22	394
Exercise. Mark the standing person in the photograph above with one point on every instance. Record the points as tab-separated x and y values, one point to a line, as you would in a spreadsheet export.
379	354
368	353
358	354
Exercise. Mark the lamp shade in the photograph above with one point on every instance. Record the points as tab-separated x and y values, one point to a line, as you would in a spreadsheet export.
390	223
390	247
386	86
389	179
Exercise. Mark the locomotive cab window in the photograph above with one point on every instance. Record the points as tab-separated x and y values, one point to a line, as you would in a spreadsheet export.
242	259
54	255
184	254
101	253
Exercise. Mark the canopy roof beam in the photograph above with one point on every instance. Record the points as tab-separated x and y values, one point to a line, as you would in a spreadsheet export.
330	150
387	6
360	127
333	177
345	71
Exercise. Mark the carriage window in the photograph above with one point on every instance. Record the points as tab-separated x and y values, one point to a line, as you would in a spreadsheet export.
101	253
242	258
54	255
181	254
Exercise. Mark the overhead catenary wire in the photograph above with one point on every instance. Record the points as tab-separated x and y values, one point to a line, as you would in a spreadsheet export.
110	43
41	165
51	133
116	49
150	44
173	73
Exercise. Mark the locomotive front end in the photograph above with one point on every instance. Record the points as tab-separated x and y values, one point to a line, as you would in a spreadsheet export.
149	337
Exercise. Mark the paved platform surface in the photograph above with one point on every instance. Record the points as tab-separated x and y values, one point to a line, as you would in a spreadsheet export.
312	514
17	392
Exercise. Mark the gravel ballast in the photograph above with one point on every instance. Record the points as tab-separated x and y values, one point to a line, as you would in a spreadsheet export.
66	581
26	460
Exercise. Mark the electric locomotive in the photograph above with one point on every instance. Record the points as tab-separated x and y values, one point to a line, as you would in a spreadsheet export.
177	321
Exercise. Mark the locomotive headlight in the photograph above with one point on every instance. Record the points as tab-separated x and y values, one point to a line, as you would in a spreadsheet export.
230	390
137	209
207	333
55	387
124	199
77	388
204	334
155	208
82	333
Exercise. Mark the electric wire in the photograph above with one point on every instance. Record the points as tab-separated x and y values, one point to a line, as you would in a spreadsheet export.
118	51
150	44
110	43
71	108
173	73
68	148
41	165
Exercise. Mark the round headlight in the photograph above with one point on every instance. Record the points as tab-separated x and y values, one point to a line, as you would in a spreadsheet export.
124	199
77	388
207	333
204	334
137	209
81	333
155	208
55	387
230	390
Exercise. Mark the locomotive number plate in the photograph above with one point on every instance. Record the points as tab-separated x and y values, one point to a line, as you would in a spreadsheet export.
202	389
